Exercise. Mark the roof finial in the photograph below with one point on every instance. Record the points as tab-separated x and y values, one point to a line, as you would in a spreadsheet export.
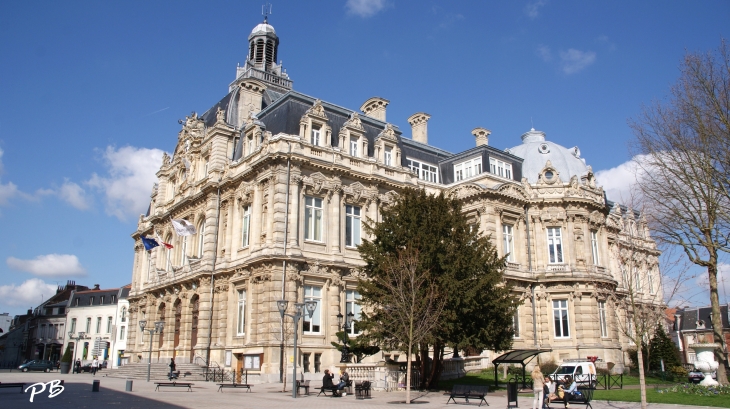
532	124
266	11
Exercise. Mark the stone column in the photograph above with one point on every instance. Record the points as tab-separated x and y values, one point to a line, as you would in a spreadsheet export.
270	208
293	234
222	307
372	212
235	223
335	222
228	246
256	209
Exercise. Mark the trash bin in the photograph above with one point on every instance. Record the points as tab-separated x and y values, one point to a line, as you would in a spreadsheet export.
95	386
129	386
512	393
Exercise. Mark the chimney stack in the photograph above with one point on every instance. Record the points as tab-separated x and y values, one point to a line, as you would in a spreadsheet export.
96	286
375	108
419	127
482	136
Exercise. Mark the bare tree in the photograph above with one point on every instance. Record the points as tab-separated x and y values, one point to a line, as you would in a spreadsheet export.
683	147
406	301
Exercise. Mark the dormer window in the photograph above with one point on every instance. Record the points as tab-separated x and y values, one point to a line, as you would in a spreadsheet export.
423	170
500	168
467	169
388	156
316	135
91	300
101	300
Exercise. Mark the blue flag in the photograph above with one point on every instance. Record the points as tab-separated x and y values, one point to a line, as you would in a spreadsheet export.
149	244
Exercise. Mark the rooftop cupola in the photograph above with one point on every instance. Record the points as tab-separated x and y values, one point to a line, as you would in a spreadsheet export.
262	46
533	136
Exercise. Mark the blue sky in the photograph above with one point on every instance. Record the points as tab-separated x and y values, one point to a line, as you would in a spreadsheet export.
90	95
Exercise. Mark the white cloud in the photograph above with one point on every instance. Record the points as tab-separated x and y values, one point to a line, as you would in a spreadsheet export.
74	195
575	60
607	42
131	176
49	265
29	293
364	8
7	190
619	181
533	9
544	52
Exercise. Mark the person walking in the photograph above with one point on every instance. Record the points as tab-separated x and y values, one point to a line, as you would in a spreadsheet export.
538	381
172	367
94	365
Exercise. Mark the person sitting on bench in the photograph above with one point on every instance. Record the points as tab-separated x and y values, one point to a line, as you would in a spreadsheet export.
327	382
344	377
568	393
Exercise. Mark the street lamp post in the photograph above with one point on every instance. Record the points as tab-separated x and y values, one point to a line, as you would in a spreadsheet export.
159	325
82	335
299	313
345	357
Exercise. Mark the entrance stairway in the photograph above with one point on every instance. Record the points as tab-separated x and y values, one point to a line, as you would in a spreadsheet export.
158	372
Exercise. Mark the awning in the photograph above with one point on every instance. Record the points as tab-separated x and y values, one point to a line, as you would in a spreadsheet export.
518	356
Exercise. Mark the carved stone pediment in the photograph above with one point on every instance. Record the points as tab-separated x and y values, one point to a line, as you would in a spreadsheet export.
465	190
387	134
513	191
354	122
552	215
317	110
316	268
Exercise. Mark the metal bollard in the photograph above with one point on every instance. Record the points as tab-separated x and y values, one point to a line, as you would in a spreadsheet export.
129	386
95	386
62	382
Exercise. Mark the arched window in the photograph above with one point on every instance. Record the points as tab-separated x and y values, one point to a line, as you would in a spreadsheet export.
201	238
183	249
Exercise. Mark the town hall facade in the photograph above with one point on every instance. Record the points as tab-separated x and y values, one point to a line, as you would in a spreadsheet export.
278	185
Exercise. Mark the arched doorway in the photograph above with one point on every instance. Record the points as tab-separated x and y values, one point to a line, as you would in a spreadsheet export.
178	318
195	302
161	340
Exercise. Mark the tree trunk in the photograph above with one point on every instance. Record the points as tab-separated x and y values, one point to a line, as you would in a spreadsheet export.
408	373
717	330
642	379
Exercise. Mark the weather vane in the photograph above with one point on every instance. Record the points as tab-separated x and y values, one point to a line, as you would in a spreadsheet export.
266	11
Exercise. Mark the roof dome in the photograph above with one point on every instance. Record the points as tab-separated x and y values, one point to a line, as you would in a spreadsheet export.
536	151
263	28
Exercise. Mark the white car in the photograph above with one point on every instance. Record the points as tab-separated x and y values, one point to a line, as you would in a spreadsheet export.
584	373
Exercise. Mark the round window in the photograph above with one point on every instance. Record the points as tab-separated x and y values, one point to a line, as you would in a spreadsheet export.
549	174
543	148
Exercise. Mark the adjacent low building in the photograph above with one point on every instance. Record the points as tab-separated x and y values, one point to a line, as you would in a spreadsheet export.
92	313
693	325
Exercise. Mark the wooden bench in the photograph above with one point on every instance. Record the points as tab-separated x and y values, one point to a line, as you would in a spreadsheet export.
233	385
362	389
174	385
331	389
584	398
13	385
303	385
467	392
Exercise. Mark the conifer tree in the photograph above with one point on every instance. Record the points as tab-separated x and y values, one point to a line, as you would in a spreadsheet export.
462	262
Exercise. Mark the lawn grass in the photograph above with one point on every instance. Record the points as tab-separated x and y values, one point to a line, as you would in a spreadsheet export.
472	378
652	396
634	380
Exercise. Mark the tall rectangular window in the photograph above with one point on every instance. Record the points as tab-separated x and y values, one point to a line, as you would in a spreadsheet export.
560	318
594	247
353	306
467	169
353	147
183	250
637	280
602	318
388	156
241	319
650	280
508	243
352	226
88	325
500	168
122	333
101	300
555	245
516	323
313	325
73	325
316	135
42	331
108	325
246	228
201	239
98	325
312	218
124	314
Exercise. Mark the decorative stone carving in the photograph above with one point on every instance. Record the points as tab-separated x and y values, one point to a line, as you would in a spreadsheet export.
464	191
354	122
317	110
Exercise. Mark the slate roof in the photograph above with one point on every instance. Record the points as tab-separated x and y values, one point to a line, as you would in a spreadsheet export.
85	296
690	317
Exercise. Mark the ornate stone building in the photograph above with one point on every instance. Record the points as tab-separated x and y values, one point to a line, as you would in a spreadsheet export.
275	180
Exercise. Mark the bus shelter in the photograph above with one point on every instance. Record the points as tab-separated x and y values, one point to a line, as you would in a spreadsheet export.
518	356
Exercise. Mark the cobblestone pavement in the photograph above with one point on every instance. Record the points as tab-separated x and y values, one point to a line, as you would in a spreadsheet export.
77	394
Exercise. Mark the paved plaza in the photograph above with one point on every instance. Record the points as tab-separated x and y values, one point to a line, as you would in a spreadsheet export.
77	394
